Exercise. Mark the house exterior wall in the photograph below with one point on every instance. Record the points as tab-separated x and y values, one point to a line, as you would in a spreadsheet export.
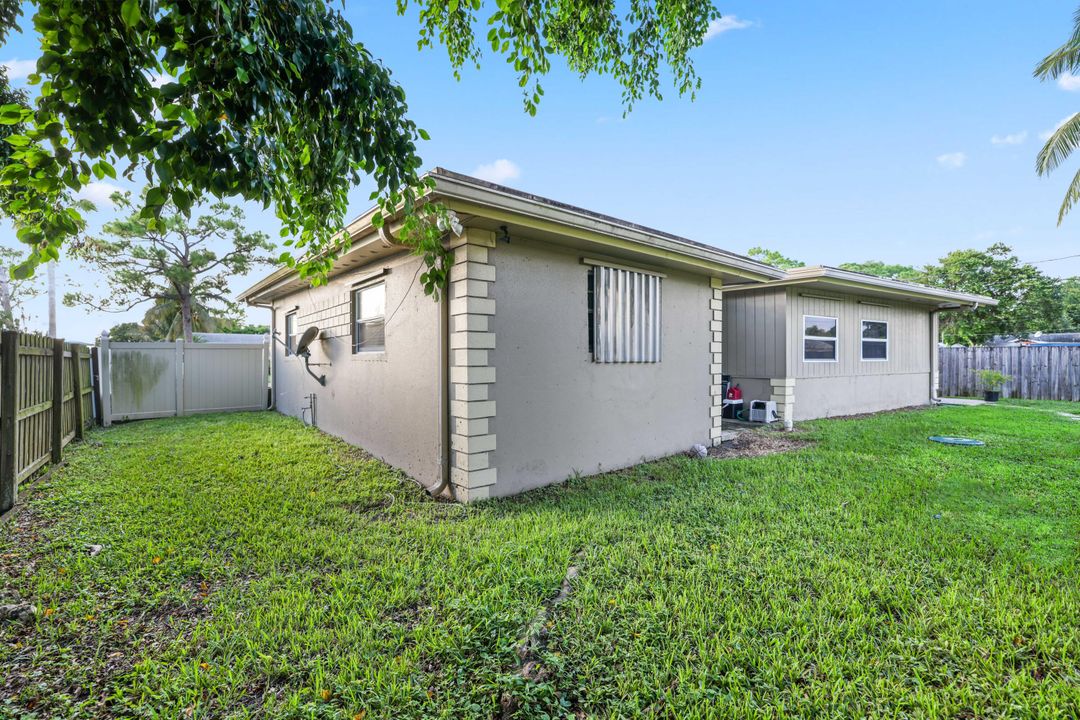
558	412
852	385
755	341
388	403
855	394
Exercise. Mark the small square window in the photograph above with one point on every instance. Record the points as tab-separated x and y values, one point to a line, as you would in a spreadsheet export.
369	318
875	340
819	338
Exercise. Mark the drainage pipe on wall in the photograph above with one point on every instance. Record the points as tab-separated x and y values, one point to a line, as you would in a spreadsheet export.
444	396
390	240
934	399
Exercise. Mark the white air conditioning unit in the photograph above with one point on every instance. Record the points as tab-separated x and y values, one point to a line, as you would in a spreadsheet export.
763	411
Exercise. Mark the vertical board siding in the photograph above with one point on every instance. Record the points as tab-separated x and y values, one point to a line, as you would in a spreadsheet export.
164	379
754	334
909	334
1038	372
33	405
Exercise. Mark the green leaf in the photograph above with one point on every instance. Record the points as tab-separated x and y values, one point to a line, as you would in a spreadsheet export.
155	197
131	13
423	134
104	168
23	270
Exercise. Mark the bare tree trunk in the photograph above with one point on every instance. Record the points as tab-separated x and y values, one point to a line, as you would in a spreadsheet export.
52	298
185	315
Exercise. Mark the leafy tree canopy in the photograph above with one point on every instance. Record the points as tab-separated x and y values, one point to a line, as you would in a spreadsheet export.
907	273
245	329
774	258
276	102
130	332
1070	305
1028	300
14	293
182	265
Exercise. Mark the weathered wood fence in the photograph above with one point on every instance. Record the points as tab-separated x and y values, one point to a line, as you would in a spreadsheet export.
46	401
1039	372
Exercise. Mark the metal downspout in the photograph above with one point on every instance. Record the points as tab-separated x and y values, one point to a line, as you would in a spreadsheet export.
934	376
444	397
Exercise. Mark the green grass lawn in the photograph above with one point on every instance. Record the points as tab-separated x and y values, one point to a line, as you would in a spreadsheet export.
253	567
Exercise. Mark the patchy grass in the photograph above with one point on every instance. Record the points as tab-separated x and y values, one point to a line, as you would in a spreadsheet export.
254	567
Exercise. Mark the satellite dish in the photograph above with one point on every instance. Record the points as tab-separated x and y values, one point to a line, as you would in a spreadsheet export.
306	339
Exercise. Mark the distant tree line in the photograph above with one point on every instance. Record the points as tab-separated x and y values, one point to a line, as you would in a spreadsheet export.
1029	300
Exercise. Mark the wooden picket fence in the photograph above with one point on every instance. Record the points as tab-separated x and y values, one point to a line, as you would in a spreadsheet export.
46	401
1039	372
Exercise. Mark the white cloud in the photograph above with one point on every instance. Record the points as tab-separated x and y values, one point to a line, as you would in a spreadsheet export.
1045	134
497	172
1011	139
20	69
721	26
99	193
952	161
159	79
1068	81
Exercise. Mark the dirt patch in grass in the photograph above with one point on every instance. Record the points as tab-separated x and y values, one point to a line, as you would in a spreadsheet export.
879	413
755	443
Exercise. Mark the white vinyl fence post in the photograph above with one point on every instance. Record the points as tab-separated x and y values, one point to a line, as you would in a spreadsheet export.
179	362
105	382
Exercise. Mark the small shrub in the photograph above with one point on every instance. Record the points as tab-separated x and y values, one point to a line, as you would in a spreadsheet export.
992	379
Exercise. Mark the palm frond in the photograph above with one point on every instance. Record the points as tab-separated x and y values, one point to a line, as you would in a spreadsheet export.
1072	195
1059	146
1065	59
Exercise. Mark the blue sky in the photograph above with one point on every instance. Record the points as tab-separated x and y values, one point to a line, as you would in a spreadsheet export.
832	132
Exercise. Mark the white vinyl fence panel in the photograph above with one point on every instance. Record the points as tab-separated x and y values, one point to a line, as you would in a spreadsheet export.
225	376
143	380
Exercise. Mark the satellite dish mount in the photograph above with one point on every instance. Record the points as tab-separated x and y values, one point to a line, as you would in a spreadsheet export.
303	349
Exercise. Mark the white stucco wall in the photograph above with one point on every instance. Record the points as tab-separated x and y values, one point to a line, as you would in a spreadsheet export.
386	403
854	394
558	413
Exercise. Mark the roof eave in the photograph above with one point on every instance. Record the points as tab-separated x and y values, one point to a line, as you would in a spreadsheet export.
847	279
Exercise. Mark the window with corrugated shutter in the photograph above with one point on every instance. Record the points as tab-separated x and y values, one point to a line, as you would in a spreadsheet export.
624	315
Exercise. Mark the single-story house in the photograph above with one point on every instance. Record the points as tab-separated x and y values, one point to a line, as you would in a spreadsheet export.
822	341
568	342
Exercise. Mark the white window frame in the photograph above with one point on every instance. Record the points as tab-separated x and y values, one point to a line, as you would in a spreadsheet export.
290	338
834	340
863	340
354	306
